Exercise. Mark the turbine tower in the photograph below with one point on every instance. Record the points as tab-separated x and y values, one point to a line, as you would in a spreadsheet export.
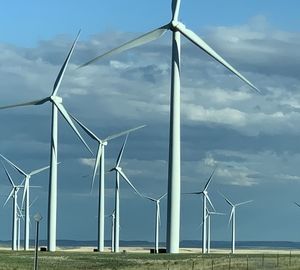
99	163
177	28
232	220
27	177
206	198
57	105
157	218
14	195
119	172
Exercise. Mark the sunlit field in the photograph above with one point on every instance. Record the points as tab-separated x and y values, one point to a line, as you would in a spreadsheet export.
90	260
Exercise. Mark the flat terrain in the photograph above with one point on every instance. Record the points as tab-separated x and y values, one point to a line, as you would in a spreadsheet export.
139	259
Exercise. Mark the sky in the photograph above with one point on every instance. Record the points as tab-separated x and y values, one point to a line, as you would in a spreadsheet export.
252	138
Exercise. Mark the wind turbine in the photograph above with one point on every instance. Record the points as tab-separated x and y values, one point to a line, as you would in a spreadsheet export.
57	105
232	219
99	163
177	28
119	171
13	194
19	217
157	218
113	219
206	198
209	214
27	177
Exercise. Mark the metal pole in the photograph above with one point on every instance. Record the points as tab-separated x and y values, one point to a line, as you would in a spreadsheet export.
36	246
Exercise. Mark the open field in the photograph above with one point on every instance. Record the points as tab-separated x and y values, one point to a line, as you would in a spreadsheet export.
72	259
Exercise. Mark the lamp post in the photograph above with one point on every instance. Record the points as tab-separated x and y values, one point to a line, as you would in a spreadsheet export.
37	217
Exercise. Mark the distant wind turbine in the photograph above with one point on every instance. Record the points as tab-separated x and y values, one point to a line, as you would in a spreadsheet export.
113	219
119	172
99	163
205	196
14	195
27	177
19	217
177	28
209	214
57	105
232	219
157	218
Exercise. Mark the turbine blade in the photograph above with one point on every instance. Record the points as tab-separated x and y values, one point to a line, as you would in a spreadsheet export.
34	102
149	198
97	161
32	203
39	170
122	133
193	193
175	9
63	68
8	175
217	213
14	165
158	211
65	114
297	204
26	187
9	196
161	197
88	131
148	37
209	179
244	203
207	197
121	152
231	214
226	199
206	48
128	181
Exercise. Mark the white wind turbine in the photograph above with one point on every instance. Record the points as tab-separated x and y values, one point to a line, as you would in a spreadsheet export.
157	218
57	105
27	177
209	214
14	195
177	28
99	163
119	171
206	198
19	217
113	219
232	219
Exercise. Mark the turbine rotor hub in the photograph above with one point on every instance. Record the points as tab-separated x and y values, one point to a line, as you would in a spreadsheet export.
56	99
174	24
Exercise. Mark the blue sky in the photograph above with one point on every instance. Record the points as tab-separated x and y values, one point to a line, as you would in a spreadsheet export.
253	138
29	22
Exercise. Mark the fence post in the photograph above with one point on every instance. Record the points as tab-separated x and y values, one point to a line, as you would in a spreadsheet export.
263	260
229	262
193	265
212	264
290	261
277	260
247	263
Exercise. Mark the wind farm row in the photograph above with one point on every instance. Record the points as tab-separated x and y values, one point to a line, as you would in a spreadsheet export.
173	193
